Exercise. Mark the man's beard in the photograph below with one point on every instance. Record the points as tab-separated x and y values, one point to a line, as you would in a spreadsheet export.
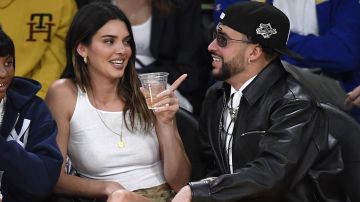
224	73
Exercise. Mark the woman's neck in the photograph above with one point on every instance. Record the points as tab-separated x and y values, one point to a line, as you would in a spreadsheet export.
105	97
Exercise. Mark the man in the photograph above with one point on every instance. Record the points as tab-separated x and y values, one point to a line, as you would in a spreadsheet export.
30	160
326	34
270	142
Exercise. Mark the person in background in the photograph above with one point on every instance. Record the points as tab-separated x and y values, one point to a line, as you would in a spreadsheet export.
263	136
327	37
168	37
38	28
114	142
30	160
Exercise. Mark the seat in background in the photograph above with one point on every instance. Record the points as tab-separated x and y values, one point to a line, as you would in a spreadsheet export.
347	131
324	89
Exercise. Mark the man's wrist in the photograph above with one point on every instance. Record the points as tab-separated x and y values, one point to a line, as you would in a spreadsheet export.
200	190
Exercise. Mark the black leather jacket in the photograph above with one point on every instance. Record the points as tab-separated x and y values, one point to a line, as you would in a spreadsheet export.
281	146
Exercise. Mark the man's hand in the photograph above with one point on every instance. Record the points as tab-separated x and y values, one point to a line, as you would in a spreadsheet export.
184	195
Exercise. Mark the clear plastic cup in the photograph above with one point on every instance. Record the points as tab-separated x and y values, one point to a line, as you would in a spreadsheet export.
153	84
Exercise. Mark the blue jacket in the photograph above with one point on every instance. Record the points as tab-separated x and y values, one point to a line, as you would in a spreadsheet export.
337	51
29	156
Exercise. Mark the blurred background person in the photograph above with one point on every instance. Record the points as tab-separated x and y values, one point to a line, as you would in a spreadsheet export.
112	139
30	160
169	38
38	28
325	33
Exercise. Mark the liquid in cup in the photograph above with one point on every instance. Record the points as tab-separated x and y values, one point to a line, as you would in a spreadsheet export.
153	84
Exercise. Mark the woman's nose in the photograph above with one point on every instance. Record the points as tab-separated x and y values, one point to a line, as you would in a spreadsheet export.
120	48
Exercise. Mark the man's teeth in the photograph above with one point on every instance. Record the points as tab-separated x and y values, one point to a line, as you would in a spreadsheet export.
216	59
117	62
2	85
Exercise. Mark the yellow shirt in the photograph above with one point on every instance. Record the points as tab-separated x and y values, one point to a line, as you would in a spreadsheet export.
38	29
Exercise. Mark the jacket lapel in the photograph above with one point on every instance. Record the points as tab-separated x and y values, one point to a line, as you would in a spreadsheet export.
218	139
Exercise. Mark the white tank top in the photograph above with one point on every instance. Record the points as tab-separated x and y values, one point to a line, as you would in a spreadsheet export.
94	153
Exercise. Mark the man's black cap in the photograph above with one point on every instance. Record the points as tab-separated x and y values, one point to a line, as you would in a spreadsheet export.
264	23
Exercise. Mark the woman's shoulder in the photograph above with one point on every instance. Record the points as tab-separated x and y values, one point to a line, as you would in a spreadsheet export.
63	87
62	92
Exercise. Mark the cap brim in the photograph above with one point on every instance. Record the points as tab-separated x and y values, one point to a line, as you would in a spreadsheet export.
290	53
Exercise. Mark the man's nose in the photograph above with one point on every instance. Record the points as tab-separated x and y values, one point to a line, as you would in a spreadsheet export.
212	45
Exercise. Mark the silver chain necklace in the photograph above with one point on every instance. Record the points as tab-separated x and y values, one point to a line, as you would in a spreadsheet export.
233	111
120	143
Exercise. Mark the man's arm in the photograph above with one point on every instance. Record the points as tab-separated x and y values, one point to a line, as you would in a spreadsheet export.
273	171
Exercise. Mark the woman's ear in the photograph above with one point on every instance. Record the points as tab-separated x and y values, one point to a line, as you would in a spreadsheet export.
81	49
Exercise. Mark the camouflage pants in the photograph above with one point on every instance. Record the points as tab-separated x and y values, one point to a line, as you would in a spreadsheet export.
161	193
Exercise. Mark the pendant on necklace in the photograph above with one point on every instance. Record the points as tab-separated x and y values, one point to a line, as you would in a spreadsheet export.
233	113
121	144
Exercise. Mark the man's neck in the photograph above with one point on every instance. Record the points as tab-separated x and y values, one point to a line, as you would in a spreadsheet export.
252	70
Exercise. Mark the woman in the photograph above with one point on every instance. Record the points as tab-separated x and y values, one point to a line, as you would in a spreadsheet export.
113	141
30	160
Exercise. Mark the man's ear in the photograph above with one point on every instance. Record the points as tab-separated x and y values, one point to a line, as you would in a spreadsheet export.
256	52
81	49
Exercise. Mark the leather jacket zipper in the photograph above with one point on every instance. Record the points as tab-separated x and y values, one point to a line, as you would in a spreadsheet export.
253	132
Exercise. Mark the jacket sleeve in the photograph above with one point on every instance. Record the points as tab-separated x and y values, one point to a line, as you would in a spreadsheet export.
32	171
281	151
336	49
52	63
183	57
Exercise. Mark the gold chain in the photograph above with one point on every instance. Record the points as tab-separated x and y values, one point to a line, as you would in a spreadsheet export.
121	143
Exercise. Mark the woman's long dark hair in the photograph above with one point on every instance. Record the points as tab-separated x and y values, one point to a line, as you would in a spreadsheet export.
88	20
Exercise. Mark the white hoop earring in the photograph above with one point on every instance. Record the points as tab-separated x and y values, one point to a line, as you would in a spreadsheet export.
85	60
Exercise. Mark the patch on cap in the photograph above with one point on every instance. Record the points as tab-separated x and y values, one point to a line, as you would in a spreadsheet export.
222	15
266	30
